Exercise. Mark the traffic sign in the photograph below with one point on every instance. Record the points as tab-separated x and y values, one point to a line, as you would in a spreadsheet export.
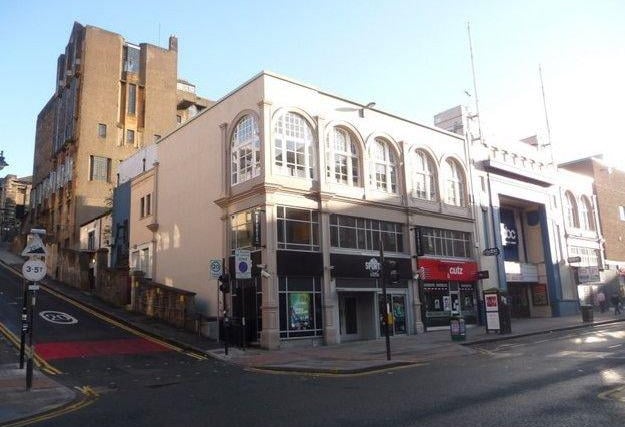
34	270
243	264
491	252
215	268
35	247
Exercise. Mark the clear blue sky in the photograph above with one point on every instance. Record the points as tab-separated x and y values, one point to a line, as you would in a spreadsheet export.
410	57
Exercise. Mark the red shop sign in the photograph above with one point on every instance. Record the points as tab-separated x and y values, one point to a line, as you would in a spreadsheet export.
448	270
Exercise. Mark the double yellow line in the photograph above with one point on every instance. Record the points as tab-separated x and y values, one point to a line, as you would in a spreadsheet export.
39	361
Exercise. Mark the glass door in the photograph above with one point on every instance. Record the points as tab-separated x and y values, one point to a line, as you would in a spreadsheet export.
399	313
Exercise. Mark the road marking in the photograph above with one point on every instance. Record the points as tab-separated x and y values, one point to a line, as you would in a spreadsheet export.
333	374
613	394
39	361
74	349
89	396
122	326
58	317
615	346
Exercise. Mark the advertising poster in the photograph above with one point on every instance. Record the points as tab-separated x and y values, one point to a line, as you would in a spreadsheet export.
492	320
492	304
300	311
539	294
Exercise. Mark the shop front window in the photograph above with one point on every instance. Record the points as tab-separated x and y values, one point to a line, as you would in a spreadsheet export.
300	307
298	229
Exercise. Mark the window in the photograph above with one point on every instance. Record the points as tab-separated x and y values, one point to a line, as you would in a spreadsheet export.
586	217
145	206
131	59
425	177
343	158
91	240
101	130
245	146
384	166
570	211
130	136
455	183
300	307
241	231
449	243
132	99
293	153
99	168
365	234
589	256
621	213
298	229
141	260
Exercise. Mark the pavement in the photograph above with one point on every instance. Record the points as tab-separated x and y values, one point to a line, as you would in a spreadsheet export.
344	359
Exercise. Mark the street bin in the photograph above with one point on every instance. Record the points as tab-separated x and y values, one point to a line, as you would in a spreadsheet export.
587	313
457	328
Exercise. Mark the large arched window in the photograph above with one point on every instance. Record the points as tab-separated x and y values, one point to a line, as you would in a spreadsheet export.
245	146
455	183
570	211
586	217
425	177
343	158
293	150
384	166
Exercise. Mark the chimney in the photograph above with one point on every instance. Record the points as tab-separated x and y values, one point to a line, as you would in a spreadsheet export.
173	43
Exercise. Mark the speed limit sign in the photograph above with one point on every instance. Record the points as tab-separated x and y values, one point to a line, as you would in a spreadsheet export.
34	270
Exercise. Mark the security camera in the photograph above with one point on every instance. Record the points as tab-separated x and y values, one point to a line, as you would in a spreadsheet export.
40	231
265	274
262	266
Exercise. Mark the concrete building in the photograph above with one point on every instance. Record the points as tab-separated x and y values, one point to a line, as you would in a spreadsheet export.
610	201
517	211
14	204
111	98
309	183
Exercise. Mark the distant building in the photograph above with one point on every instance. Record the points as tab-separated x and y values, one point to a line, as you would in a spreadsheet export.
111	98
609	183
14	204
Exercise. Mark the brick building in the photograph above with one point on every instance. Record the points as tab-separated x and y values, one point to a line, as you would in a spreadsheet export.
111	98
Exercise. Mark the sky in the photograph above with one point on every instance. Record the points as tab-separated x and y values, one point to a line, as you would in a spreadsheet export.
410	57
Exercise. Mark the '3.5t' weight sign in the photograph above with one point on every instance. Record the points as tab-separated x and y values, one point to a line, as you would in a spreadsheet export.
34	270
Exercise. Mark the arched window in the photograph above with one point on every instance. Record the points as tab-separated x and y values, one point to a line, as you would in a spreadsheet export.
570	211
343	158
455	183
425	177
293	151
245	146
384	166
586	217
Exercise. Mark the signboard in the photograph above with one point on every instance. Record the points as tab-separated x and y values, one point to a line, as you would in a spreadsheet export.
509	234
374	267
243	264
215	268
35	247
256	230
539	294
588	275
491	252
34	270
491	301
574	259
483	274
435	269
300	311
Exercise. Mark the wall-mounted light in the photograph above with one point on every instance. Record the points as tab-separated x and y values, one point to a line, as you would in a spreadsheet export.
361	112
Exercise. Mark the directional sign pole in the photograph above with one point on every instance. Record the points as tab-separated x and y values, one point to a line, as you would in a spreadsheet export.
31	351
24	323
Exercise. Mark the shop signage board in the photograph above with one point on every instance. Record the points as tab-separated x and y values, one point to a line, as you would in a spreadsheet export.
588	275
243	264
256	230
374	266
439	270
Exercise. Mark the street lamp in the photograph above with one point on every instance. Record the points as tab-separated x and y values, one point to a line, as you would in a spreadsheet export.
3	163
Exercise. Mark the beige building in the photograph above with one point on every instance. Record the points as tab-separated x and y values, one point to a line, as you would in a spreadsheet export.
111	98
310	184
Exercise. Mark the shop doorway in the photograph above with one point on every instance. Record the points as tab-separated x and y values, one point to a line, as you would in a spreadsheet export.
518	299
356	316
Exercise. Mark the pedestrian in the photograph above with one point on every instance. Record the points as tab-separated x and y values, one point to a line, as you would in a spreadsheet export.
617	304
601	301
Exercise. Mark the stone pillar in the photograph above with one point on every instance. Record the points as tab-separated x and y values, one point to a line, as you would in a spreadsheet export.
270	335
135	282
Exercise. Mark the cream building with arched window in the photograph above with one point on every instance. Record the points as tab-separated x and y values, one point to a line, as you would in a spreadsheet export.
314	185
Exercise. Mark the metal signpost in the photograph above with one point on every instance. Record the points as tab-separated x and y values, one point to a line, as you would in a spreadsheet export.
33	270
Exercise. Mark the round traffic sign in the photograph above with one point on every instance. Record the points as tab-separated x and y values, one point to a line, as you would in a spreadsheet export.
215	268
34	270
243	266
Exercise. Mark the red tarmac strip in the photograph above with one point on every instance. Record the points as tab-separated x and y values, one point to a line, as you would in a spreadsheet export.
70	349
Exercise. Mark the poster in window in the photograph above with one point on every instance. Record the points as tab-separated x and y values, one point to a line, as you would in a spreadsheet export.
300	311
539	294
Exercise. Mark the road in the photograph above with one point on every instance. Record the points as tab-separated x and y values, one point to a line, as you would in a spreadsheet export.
562	379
